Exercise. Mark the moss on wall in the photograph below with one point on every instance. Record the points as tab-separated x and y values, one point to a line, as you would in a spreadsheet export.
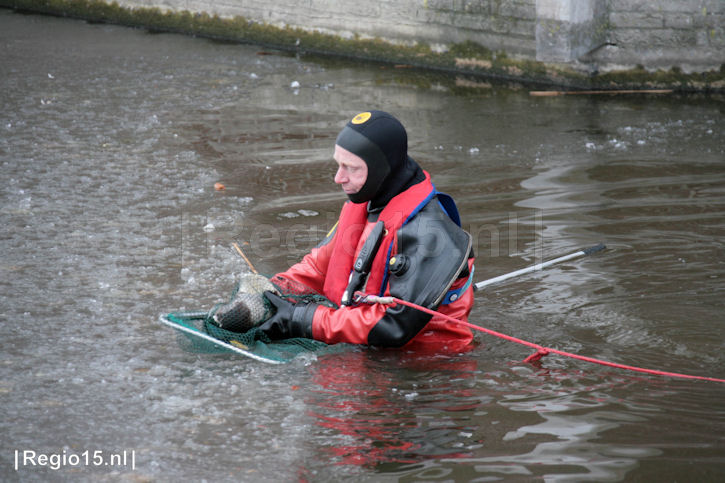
466	58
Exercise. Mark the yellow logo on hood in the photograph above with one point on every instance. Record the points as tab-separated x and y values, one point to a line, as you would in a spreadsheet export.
361	118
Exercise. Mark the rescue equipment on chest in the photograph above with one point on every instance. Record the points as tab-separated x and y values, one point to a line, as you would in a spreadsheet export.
361	268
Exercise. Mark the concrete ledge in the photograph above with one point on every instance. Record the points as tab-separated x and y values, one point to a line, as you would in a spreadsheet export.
571	43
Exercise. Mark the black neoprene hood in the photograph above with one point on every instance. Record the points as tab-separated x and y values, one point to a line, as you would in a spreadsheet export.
381	141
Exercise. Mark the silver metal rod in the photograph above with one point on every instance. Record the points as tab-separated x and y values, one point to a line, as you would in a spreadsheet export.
538	266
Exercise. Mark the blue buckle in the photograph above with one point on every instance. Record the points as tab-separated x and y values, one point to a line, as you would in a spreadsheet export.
453	295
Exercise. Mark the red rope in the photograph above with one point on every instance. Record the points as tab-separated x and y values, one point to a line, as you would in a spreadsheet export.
540	350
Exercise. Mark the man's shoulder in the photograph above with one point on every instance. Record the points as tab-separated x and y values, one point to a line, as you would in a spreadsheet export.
442	208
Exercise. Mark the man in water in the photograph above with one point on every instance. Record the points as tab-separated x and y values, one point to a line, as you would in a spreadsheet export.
396	236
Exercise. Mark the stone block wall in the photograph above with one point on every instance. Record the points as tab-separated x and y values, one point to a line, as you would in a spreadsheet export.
567	30
589	35
560	41
661	34
504	25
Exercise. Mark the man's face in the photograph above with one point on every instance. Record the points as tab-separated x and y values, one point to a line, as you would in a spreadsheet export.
352	172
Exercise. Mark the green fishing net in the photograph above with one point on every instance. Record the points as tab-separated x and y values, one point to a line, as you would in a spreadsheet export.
252	341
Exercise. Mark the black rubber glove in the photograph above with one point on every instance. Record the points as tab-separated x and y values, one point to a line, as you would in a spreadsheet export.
289	320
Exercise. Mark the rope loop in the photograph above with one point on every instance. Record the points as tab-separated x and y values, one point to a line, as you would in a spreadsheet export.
537	355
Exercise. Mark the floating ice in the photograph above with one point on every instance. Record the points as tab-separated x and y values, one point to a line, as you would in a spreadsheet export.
618	144
324	87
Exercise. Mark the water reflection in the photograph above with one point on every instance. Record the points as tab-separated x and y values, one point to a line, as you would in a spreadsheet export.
568	426
372	413
575	453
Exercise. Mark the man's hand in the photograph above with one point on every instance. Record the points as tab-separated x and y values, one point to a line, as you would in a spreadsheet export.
289	320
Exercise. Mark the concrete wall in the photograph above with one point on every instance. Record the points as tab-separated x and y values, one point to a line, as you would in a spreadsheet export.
567	30
507	25
660	34
563	42
589	35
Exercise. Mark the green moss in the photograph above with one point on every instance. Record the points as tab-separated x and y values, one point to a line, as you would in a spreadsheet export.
468	58
661	79
470	49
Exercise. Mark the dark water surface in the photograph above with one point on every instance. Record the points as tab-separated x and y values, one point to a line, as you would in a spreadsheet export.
111	140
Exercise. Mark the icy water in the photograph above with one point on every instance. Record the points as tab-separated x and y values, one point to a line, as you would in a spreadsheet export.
111	141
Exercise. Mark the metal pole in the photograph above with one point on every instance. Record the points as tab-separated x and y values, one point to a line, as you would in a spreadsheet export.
539	266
